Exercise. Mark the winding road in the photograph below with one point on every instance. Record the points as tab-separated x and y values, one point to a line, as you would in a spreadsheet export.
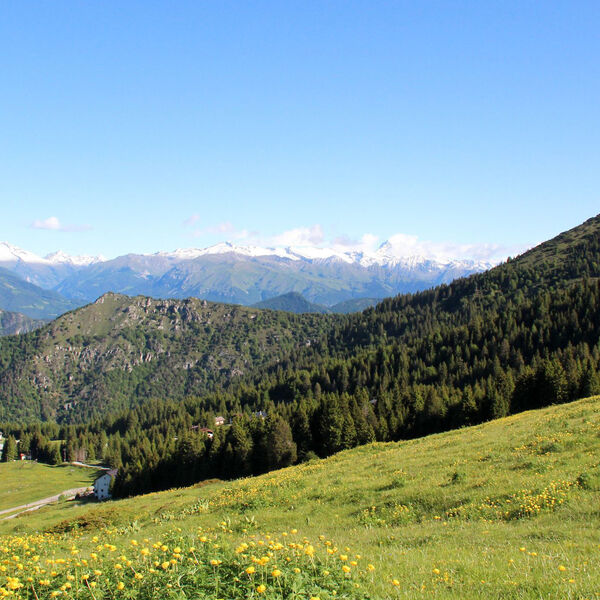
43	502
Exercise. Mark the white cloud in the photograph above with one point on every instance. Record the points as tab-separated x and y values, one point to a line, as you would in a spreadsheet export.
54	224
302	236
400	245
367	243
49	223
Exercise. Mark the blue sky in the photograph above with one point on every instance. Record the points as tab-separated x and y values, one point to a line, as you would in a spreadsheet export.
145	126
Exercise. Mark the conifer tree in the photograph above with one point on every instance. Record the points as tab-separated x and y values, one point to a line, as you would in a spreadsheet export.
9	451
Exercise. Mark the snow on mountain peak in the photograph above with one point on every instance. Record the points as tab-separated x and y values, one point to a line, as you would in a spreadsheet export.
387	254
10	253
13	254
60	257
227	248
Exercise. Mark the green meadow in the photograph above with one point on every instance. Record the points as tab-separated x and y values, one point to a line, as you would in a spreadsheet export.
507	509
22	482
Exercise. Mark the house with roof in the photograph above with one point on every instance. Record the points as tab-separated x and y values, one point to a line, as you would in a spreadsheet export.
103	484
209	433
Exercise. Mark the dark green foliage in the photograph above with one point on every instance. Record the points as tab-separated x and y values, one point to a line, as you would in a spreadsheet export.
281	448
9	450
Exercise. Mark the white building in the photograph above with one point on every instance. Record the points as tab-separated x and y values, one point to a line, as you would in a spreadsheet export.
102	484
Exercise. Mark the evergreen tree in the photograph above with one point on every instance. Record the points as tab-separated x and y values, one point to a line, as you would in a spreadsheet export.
282	450
9	451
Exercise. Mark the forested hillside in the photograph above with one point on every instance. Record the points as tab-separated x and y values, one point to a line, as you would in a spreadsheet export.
521	336
120	351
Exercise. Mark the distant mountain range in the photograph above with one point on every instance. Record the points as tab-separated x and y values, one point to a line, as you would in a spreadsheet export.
229	273
20	296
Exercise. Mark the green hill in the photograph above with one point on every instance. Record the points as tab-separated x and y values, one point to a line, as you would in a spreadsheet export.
507	509
297	303
108	355
355	305
292	302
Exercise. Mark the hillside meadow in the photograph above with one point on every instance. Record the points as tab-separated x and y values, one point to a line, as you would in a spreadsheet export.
22	482
507	509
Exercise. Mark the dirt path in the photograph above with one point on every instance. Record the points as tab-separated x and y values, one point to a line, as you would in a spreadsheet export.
80	464
39	503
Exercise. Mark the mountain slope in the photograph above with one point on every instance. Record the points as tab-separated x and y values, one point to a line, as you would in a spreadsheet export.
291	302
297	303
110	354
44	272
507	509
17	295
573	256
12	323
355	305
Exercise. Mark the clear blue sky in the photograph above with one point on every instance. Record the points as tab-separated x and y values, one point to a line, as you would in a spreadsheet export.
466	122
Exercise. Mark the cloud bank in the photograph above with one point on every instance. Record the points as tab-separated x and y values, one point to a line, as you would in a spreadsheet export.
400	245
54	224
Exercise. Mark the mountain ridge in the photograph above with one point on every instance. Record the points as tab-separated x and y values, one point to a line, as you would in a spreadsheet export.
238	274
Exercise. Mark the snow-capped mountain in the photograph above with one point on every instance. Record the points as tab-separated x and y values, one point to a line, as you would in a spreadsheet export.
10	253
228	272
383	256
62	258
47	271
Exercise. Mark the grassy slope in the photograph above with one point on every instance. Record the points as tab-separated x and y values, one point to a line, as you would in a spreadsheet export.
26	481
557	248
508	509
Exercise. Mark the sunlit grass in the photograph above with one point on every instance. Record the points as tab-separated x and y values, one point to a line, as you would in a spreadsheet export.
508	509
25	481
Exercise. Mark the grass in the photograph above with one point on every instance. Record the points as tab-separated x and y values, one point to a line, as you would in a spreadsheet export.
508	509
23	482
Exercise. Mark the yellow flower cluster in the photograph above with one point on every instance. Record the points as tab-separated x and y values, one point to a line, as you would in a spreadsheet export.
206	562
